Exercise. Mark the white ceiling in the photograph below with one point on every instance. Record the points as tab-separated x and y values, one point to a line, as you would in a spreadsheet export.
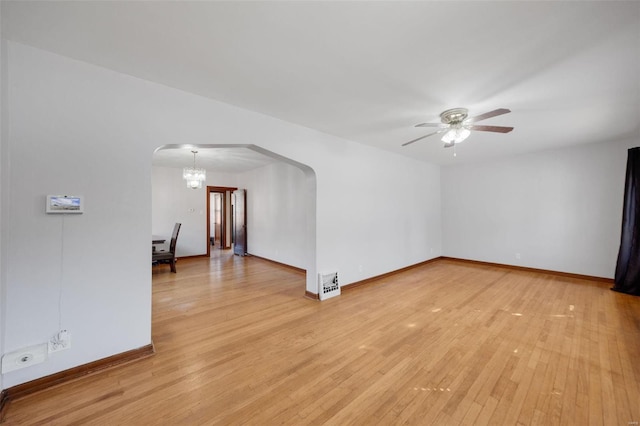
370	71
225	160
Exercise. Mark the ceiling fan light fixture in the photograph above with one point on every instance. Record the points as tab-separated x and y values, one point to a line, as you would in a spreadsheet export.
455	135
457	125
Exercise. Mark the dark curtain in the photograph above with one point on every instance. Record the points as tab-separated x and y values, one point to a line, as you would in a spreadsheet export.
628	267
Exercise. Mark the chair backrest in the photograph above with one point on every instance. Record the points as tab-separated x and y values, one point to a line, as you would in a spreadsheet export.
174	237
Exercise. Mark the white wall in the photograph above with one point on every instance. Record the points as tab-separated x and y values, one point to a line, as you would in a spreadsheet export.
80	272
276	220
3	186
561	210
173	202
380	213
81	129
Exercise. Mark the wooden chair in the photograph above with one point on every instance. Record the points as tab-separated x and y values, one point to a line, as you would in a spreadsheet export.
168	256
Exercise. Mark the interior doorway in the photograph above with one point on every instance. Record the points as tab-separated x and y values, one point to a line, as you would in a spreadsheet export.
307	201
219	218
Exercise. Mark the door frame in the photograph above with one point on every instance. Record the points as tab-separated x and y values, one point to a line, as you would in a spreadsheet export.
220	190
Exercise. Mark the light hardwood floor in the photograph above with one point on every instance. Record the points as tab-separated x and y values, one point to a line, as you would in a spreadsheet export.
446	343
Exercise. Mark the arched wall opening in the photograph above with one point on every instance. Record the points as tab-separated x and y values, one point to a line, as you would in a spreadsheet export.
307	201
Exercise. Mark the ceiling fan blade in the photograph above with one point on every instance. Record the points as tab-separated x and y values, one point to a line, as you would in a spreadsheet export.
430	125
498	129
486	115
422	137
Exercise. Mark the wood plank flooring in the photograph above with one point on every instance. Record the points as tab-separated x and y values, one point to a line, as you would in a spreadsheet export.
446	343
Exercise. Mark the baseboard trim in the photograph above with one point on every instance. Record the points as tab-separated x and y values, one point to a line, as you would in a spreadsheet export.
295	268
312	296
46	382
369	280
194	256
479	263
527	269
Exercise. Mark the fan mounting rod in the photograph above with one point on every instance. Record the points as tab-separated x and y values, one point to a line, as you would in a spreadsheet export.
454	115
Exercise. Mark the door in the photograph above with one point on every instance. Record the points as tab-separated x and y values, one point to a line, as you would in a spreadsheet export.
217	225
240	222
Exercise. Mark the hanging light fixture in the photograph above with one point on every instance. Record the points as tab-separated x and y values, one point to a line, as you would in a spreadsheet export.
194	176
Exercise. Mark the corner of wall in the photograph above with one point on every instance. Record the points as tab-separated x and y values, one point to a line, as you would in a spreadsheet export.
3	192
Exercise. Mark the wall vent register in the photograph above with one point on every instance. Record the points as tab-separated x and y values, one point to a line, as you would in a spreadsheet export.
329	285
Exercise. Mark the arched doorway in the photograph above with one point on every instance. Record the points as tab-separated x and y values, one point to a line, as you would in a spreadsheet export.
306	201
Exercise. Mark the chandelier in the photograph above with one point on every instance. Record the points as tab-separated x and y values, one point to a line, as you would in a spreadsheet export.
193	175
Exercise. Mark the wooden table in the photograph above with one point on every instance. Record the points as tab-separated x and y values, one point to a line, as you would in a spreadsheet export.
156	240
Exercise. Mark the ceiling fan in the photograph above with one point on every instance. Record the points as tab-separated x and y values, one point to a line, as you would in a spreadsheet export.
458	127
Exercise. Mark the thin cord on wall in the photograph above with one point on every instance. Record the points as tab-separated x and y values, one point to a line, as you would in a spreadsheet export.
61	273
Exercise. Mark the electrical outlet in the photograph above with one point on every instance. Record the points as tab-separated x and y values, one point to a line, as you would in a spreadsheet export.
24	358
60	341
518	256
